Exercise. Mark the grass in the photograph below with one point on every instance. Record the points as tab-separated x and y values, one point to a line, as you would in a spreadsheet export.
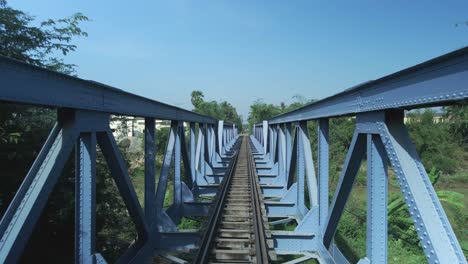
353	243
191	223
351	234
459	220
137	176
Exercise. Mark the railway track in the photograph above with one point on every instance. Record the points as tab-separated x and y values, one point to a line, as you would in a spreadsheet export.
238	229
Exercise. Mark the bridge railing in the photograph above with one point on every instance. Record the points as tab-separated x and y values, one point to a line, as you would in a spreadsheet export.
285	164
84	109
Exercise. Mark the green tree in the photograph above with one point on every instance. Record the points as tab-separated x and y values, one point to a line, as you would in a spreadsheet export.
38	45
197	99
435	142
23	130
457	116
260	110
219	110
24	124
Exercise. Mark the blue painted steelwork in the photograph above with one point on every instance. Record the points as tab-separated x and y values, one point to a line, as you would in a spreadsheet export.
84	109
150	171
439	81
292	205
381	134
377	202
185	204
21	216
85	198
323	170
281	149
20	82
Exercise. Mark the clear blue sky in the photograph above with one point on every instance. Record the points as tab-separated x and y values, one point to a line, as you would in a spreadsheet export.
241	51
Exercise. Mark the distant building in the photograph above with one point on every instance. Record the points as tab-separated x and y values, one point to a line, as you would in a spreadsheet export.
438	117
415	115
129	126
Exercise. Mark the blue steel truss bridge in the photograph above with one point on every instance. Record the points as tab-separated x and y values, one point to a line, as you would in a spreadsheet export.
241	184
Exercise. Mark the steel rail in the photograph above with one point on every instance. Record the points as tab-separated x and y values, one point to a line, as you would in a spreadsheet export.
205	246
258	248
259	230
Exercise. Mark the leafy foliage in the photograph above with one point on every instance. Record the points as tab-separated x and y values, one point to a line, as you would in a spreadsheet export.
442	147
458	119
436	144
219	110
260	110
23	130
38	45
400	224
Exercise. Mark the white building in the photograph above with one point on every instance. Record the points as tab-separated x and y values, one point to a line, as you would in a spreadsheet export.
130	126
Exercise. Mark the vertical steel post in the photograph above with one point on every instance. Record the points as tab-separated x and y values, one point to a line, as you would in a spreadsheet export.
259	135
150	171
269	144
85	230
309	164
226	137
323	170
274	143
288	147
257	130
209	142
300	169
233	131
265	136
377	179
192	152
203	159
212	142
177	175
262	136
281	154
220	136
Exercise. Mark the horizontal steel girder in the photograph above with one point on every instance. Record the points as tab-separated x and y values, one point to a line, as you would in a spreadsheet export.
24	83
440	81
